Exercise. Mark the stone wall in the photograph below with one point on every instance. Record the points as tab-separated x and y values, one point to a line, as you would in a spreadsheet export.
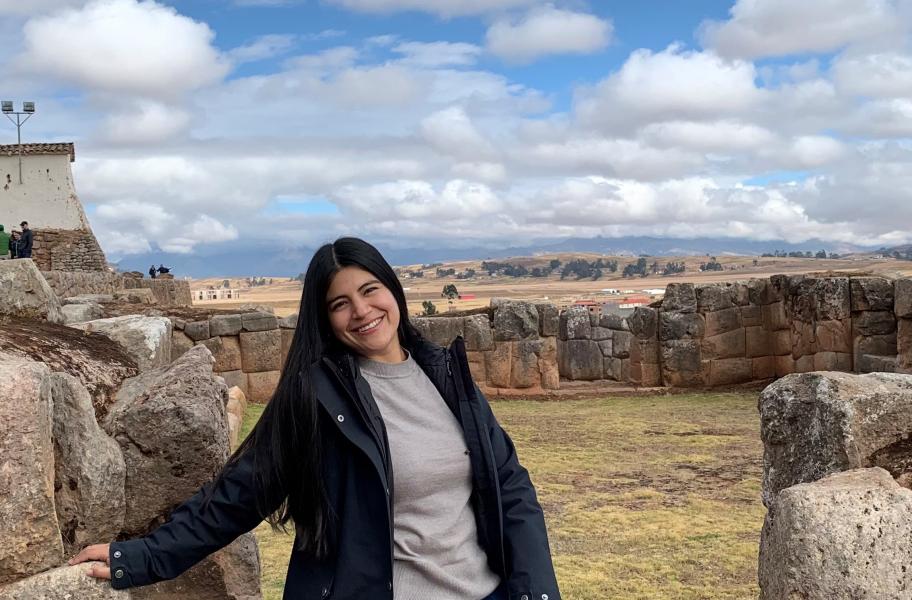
167	292
593	347
512	346
67	250
249	348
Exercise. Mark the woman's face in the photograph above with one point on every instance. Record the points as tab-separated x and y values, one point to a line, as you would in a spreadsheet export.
364	315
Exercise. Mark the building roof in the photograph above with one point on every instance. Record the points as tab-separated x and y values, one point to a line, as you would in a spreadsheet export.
39	149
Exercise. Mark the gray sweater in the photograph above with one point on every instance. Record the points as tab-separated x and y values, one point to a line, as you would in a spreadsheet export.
436	554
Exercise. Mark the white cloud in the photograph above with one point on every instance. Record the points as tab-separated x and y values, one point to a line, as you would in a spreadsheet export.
437	54
671	84
33	7
145	122
760	28
123	46
265	46
547	30
419	200
442	8
451	132
711	136
881	75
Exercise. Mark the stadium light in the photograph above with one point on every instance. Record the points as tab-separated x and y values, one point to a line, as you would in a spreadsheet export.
28	109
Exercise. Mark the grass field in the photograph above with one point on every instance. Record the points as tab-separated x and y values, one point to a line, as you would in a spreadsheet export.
646	497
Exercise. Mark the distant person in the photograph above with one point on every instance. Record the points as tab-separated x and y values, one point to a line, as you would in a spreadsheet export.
4	244
152	271
25	241
163	269
14	243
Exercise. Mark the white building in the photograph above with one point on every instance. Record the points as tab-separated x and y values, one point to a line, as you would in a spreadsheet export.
217	294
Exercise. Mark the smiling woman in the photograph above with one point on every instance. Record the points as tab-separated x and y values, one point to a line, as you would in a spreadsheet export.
380	449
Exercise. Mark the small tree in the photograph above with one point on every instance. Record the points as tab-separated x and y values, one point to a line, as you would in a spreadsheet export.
429	308
450	292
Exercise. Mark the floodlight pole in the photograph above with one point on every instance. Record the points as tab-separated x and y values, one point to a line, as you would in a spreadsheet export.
19	122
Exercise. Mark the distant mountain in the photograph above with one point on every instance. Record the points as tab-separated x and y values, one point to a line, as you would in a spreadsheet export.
238	260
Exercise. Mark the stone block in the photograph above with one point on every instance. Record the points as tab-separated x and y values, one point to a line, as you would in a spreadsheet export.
550	378
548	319
617	369
833	361
26	293
804	339
644	322
775	316
63	583
574	324
712	297
724	345
903	300
874	322
680	326
644	351
682	363
833	336
615	322
287	339
880	345
844	536
729	371
763	367
228	357
213	344
220	325
904	343
441	330
289	322
757	342
197	330
785	365
180	343
524	370
752	315
80	313
606	346
645	375
28	519
680	297
804	364
762	292
593	319
579	360
601	333
620	347
262	385
147	340
259	321
815	424
781	342
832	296
722	321
871	293
236	379
515	321
261	350
478	333
498	364
869	363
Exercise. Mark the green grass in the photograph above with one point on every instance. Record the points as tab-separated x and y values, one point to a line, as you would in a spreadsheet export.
646	497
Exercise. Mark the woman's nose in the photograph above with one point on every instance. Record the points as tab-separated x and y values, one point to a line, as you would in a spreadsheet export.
360	307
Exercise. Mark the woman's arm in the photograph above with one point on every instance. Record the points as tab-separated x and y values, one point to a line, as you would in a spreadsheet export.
196	528
526	549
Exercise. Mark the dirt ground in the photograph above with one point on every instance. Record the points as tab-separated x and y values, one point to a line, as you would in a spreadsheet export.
285	295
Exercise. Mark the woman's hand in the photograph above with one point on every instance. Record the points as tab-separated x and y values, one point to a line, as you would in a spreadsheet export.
97	552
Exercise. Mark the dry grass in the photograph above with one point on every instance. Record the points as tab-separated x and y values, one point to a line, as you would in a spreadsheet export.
645	497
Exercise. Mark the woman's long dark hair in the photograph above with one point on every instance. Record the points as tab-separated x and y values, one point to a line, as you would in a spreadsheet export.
286	440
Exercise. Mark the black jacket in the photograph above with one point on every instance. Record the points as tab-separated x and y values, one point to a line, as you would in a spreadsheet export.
358	480
25	244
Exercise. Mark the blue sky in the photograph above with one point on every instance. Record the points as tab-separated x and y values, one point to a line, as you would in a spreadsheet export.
472	122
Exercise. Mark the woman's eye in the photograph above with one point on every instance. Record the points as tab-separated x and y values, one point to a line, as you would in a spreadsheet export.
336	306
369	290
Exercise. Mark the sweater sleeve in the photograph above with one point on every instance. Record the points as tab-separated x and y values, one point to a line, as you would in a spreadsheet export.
195	529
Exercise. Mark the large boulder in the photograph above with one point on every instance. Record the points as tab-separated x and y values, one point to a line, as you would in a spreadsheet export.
478	333
89	468
844	536
80	313
29	531
548	319
146	339
871	293
63	583
580	360
515	321
680	297
814	424
903	303
25	292
260	350
441	330
188	444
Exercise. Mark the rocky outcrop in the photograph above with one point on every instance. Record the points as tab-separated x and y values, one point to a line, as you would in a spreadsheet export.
187	446
844	536
146	339
80	313
29	529
25	293
63	583
89	468
816	424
